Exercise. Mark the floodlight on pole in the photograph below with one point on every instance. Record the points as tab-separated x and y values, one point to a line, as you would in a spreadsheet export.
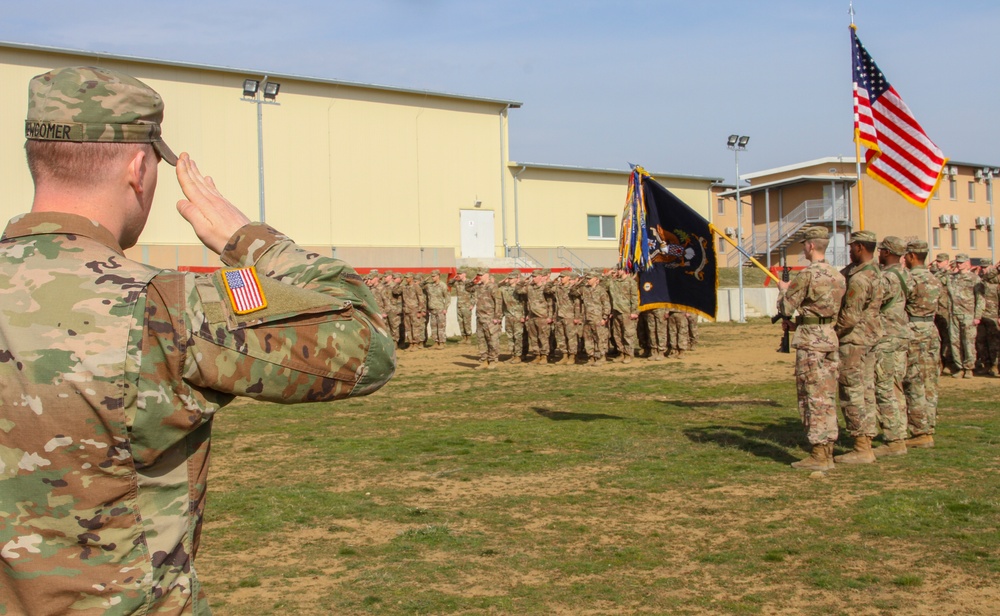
737	143
252	92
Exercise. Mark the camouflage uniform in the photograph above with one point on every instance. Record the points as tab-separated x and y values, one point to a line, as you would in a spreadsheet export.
463	305
563	328
513	316
922	365
859	328
966	306
596	311
624	303
394	307
942	318
409	293
489	306
438	300
988	332
678	338
656	327
816	293
538	313
890	350
692	328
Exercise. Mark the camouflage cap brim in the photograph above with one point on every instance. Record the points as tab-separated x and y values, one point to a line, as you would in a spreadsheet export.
95	105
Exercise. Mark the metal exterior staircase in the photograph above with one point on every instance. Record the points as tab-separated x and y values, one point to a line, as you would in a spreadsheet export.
786	231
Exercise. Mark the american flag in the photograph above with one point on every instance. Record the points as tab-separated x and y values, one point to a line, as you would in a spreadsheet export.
244	290
900	154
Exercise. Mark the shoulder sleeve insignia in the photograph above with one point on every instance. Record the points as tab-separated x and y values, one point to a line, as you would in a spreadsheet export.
243	289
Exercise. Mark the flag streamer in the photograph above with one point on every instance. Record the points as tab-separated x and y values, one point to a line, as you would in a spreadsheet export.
633	248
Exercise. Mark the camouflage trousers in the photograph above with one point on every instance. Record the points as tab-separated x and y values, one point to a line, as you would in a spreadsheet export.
921	382
890	370
816	385
489	340
465	320
412	326
857	389
515	333
678	335
944	335
988	343
692	328
395	320
538	335
962	333
437	319
656	328
623	333
564	332
595	339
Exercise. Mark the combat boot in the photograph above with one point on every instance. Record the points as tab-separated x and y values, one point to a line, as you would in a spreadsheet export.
566	359
483	365
819	459
892	448
538	359
626	358
862	453
491	365
680	353
966	374
923	441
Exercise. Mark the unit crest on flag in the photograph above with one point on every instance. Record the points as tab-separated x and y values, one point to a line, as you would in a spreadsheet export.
243	289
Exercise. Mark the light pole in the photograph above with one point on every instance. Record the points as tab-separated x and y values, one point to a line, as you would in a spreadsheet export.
254	93
736	143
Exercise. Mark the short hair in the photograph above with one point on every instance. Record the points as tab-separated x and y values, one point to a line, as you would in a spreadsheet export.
919	256
78	164
820	244
869	246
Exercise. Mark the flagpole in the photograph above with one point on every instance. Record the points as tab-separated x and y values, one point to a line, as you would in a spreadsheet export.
861	192
715	230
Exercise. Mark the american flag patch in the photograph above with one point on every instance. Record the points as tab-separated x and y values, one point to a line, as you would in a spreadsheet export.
244	290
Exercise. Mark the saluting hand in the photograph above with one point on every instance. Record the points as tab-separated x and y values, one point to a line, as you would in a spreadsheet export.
213	217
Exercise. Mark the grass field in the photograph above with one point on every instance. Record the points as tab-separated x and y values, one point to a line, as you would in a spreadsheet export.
651	488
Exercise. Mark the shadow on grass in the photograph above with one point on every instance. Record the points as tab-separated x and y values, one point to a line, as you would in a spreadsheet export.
693	404
462	364
565	416
771	440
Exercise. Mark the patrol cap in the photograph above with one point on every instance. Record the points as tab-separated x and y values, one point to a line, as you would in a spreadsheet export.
961	257
483	271
863	236
513	274
942	256
595	272
435	272
95	105
408	275
816	233
389	273
917	246
373	272
893	244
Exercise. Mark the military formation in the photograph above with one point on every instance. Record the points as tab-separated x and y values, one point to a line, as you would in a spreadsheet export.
876	336
589	317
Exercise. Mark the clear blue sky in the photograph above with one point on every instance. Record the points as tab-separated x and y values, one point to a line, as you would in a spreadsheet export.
604	83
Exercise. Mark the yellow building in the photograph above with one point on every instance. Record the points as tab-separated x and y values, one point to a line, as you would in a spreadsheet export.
377	176
959	217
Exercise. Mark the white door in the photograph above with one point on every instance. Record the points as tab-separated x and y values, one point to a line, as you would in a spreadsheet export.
477	234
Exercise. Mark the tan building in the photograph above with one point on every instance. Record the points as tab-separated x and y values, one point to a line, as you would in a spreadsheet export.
378	176
824	192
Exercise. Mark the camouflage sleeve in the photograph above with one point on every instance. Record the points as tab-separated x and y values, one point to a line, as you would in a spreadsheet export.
791	299
859	289
319	337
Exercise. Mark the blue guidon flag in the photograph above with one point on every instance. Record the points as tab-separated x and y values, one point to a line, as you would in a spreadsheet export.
243	289
669	246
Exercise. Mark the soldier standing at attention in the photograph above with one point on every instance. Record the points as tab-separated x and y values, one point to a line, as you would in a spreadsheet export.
489	306
656	326
816	293
923	357
563	331
941	268
463	305
891	349
111	384
538	315
678	333
410	293
966	308
513	316
859	328
596	312
394	304
988	334
438	300
624	311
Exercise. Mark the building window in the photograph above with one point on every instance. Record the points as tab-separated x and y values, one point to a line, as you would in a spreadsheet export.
972	191
936	237
954	238
601	227
952	188
972	239
722	246
721	204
